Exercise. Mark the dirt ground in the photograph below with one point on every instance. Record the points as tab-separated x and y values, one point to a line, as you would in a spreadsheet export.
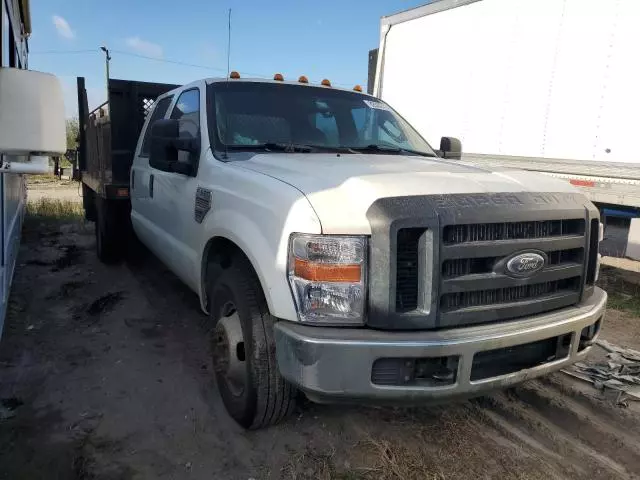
50	187
107	375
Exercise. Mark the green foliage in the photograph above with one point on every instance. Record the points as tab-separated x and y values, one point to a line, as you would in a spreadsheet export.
73	130
629	303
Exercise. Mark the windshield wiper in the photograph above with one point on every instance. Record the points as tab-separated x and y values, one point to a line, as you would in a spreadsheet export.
302	148
385	149
290	147
273	147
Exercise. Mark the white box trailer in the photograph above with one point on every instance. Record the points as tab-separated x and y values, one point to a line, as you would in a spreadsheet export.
544	85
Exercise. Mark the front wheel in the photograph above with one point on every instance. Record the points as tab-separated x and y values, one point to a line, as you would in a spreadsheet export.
243	349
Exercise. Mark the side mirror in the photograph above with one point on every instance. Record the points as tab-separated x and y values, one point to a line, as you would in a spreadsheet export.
450	147
32	119
161	151
165	144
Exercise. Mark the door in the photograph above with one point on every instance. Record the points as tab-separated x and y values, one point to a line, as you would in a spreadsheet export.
173	200
142	178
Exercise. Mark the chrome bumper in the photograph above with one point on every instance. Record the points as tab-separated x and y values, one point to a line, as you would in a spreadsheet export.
334	364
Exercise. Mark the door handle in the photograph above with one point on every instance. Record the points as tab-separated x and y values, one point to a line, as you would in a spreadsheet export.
151	185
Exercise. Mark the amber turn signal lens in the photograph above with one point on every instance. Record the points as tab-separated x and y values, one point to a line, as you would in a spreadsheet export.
325	82
303	79
327	272
358	88
278	77
235	75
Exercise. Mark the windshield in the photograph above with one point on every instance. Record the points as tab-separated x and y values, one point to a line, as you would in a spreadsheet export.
276	116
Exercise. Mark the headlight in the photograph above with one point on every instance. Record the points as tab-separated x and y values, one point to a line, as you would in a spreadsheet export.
327	274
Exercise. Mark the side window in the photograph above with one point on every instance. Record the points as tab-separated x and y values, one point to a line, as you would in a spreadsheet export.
158	113
187	112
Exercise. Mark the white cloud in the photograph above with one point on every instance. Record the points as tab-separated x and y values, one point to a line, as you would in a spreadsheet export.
144	47
63	28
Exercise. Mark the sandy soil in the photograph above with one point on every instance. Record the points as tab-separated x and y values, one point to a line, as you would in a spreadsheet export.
107	373
56	190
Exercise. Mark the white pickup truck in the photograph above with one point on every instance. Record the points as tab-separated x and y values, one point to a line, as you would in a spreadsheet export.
337	254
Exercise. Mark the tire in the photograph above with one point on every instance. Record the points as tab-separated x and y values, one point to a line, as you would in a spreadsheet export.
108	244
89	203
239	313
136	252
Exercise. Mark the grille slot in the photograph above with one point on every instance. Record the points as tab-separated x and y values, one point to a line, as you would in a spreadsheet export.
408	268
459	267
481	298
502	361
486	232
562	257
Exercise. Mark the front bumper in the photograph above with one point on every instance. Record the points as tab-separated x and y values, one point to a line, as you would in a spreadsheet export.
334	364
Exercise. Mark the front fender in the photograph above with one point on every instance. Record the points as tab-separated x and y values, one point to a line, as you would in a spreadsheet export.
261	229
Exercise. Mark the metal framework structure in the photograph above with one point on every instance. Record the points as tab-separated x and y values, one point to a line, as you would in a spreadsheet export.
15	28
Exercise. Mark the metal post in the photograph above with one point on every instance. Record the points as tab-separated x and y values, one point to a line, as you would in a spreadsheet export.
107	59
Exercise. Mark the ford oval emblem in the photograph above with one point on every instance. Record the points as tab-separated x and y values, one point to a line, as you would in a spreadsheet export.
525	264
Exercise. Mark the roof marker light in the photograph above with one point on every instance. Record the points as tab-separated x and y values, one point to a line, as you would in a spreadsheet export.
278	77
234	75
303	79
325	82
358	88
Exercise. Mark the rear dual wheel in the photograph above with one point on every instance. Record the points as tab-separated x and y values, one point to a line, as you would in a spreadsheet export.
108	237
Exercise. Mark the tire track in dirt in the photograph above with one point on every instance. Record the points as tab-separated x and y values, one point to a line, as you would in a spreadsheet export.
560	435
510	435
569	415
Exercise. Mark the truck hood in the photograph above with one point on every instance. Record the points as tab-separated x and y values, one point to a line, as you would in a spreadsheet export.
342	188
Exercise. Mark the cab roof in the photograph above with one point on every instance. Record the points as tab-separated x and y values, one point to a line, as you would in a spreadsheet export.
209	81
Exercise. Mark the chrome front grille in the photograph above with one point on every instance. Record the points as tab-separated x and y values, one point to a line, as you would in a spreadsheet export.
475	285
447	261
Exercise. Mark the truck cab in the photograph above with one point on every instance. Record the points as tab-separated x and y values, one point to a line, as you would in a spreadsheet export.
338	254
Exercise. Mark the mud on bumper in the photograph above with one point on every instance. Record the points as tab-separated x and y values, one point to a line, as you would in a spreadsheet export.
336	364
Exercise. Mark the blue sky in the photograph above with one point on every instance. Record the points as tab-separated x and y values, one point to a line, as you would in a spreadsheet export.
323	38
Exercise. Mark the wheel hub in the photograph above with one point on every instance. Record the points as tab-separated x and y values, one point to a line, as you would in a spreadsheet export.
229	350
